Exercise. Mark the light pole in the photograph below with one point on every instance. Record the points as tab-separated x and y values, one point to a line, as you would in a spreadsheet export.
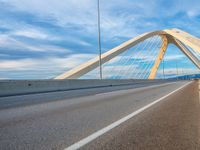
99	40
163	68
176	70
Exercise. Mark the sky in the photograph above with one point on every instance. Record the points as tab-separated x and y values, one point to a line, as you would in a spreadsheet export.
42	39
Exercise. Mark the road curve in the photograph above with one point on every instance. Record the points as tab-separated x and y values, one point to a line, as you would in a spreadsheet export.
60	123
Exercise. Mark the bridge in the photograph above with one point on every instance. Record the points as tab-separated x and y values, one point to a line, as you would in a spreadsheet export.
153	43
130	108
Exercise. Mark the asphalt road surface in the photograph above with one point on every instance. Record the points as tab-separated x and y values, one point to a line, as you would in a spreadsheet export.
171	121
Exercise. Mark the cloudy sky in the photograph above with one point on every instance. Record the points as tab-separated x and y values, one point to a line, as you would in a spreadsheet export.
43	38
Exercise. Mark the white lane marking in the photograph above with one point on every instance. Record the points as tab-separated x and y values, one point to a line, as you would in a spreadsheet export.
95	135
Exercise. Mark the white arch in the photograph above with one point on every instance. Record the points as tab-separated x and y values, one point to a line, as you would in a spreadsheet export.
174	36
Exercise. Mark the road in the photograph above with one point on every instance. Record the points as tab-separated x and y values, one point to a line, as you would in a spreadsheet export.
171	120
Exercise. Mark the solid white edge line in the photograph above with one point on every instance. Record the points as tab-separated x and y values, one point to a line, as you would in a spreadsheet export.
95	135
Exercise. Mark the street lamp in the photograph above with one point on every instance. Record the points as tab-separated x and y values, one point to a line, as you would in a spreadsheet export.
176	70
99	40
163	68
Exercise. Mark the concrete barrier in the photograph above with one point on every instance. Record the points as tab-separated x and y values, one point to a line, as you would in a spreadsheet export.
18	87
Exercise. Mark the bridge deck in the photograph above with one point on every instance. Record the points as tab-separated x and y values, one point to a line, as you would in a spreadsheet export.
173	123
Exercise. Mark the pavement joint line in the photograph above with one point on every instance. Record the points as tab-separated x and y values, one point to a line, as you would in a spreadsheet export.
104	130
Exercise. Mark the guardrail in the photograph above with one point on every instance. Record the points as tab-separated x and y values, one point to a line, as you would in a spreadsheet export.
19	87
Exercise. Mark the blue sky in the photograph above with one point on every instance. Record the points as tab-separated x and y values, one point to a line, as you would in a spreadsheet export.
41	39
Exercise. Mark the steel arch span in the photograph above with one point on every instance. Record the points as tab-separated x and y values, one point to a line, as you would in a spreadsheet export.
179	38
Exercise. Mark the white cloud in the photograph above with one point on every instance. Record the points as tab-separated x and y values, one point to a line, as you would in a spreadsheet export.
192	8
118	18
68	11
31	33
83	13
174	57
3	78
49	63
7	41
15	65
43	68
